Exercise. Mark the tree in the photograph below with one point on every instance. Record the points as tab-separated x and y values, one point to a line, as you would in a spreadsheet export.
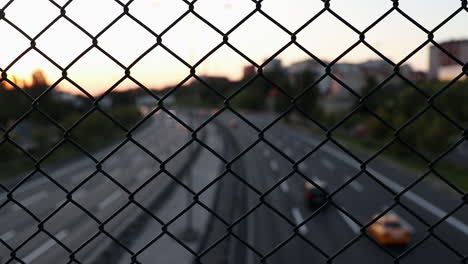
38	85
309	99
252	96
370	102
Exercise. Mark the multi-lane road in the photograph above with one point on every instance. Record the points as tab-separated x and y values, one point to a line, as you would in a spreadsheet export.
97	196
257	201
268	220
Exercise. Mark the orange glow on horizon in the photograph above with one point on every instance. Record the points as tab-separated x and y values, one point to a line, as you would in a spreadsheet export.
191	39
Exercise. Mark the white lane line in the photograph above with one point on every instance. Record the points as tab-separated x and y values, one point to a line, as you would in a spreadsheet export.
328	164
273	165
57	205
30	200
77	195
76	179
354	184
302	166
279	145
462	227
144	174
354	227
284	187
80	177
60	173
109	200
8	235
266	153
43	249
299	219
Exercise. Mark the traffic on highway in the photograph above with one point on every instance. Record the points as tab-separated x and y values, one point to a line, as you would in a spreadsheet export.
289	197
233	132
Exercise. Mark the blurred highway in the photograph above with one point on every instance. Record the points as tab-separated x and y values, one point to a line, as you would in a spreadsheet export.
260	230
330	233
100	197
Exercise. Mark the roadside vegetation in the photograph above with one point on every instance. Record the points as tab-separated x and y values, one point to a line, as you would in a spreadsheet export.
403	112
400	109
27	132
393	109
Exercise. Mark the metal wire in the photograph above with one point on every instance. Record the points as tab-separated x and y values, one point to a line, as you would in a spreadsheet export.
227	107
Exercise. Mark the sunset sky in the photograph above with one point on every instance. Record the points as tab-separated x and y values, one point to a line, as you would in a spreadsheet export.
258	38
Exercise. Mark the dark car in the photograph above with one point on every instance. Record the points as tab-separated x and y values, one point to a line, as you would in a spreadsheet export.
314	196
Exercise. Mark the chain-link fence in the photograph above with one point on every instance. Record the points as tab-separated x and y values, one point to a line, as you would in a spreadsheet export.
247	221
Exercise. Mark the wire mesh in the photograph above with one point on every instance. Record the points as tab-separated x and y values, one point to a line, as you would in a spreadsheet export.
196	137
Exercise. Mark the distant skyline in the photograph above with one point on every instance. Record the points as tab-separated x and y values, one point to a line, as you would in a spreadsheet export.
191	39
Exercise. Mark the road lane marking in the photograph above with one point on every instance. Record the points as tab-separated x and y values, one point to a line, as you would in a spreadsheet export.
315	179
109	200
328	164
350	222
60	173
77	195
76	180
250	237
80	177
436	211
64	171
144	173
43	249
284	187
30	200
60	203
302	166
463	148
273	165
279	145
462	227
354	184
8	235
299	219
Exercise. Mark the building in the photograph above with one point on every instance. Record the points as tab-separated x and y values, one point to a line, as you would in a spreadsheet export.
441	66
76	100
249	71
335	96
351	75
337	93
312	66
377	69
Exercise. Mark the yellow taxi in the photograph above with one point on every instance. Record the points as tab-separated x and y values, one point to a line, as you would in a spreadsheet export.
388	230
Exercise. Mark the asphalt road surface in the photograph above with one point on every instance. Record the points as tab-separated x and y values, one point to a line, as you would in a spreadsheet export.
257	209
100	198
330	233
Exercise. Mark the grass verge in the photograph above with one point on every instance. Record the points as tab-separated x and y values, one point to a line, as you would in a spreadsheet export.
454	172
